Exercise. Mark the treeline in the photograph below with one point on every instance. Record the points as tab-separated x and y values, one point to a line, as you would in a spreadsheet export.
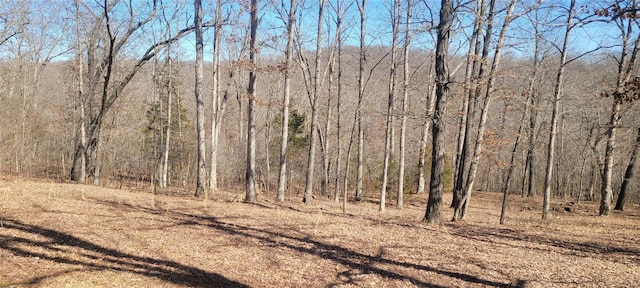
509	96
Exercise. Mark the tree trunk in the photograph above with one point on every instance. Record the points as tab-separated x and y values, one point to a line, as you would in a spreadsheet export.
426	130
433	214
362	6
606	191
282	177
308	190
390	103
521	127
325	142
339	16
96	127
165	157
250	181
218	101
530	158
79	166
102	68
628	174
201	174
405	96
474	66
461	207
528	179
625	68
97	157
505	188
554	115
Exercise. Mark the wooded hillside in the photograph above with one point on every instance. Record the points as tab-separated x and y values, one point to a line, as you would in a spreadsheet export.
534	98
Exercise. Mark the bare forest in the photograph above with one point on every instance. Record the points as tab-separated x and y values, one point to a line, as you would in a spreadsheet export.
522	111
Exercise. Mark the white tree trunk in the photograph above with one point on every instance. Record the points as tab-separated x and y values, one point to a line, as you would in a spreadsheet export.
362	6
218	101
282	178
250	195
388	143
308	190
557	94
461	207
201	173
405	96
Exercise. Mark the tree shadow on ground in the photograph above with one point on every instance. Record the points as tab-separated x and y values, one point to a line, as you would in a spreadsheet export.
295	240
498	236
63	248
363	263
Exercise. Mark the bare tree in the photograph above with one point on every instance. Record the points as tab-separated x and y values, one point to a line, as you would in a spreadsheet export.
533	99
426	130
405	96
554	114
164	169
528	181
202	168
393	82
340	10
461	206
101	55
625	18
13	20
282	178
308	190
433	214
219	99
474	72
362	7
251	113
80	159
628	174
528	110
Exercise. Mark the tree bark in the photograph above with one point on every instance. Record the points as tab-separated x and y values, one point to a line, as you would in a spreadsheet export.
433	214
527	107
505	188
308	190
628	174
390	103
284	139
461	208
426	130
165	157
554	115
362	6
339	16
405	96
625	67
606	191
98	68
201	174
218	100
474	72
250	181
530	158
79	166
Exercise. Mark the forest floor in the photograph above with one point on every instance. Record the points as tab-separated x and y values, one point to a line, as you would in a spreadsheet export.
71	235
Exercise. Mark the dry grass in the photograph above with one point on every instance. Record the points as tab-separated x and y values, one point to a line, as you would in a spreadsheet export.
70	235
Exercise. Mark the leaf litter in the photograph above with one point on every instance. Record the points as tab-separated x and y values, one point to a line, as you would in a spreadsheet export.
72	235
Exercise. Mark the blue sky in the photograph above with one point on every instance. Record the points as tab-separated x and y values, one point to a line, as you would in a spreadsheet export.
378	26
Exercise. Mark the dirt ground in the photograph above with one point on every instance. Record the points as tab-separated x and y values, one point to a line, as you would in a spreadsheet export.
71	235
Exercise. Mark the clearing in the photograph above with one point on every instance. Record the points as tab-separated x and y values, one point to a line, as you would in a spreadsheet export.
71	235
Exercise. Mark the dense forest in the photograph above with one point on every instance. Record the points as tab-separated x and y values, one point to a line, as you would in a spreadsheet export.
327	98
